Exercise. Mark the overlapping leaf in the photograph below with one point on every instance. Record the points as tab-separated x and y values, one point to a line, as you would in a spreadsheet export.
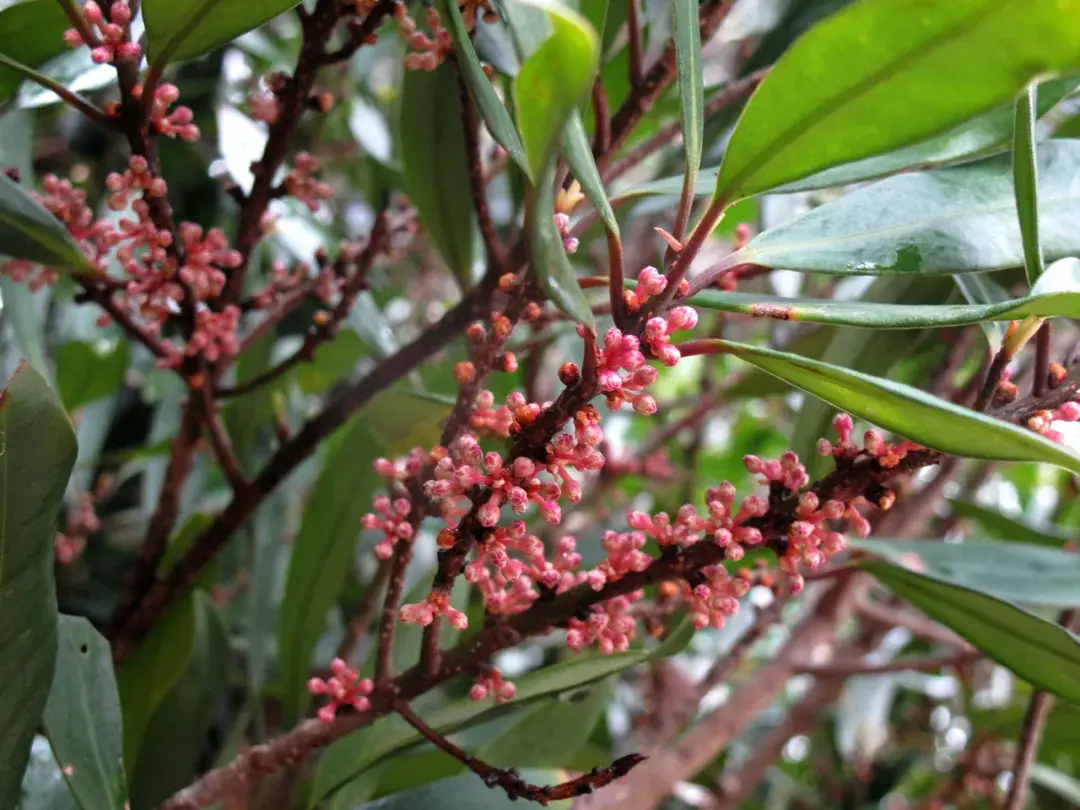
182	29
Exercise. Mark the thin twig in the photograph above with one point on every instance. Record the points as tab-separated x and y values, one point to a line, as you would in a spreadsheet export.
633	33
925	663
471	123
1042	360
220	442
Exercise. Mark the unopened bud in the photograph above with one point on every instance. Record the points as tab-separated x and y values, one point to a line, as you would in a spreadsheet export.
569	373
1056	375
464	371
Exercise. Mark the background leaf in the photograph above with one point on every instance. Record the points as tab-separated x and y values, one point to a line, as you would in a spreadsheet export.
435	164
466	792
82	718
1041	652
909	412
882	75
37	453
188	28
687	38
958	220
31	32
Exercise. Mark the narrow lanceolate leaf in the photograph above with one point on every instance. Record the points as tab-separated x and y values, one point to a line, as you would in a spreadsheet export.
31	33
352	755
1026	183
435	164
182	29
957	220
1017	572
879	76
687	33
29	231
37	452
487	101
983	136
1041	652
548	88
577	153
1007	528
981	289
82	718
1061	299
911	413
321	556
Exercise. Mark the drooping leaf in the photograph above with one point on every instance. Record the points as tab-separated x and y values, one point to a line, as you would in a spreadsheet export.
982	136
176	735
354	754
1017	572
466	792
37	453
957	220
687	37
322	554
907	411
1026	183
31	32
577	153
182	29
1007	528
82	718
1056	295
1041	652
489	104
879	76
28	231
87	371
435	164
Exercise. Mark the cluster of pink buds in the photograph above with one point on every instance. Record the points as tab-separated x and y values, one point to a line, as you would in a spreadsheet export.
137	177
299	182
436	604
610	626
1041	421
204	255
710	602
177	123
33	275
344	688
390	518
492	684
623	353
488	417
263	105
428	52
282	280
111	46
888	455
650	282
214	336
562	223
658	333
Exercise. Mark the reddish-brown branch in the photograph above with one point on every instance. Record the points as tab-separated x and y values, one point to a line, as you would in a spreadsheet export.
633	33
395	587
1041	371
365	612
508	780
601	118
220	442
496	253
925	663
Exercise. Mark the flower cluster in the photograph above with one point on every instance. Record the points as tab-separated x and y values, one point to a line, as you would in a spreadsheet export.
81	522
888	455
428	52
177	123
492	684
344	688
1042	421
111	33
301	184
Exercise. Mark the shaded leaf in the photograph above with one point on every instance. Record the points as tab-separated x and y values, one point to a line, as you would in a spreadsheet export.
181	29
82	718
89	371
907	411
1008	528
435	164
1017	572
1065	786
1026	183
29	231
37	453
31	32
1041	652
882	75
487	101
577	153
1061	298
958	220
687	37
322	555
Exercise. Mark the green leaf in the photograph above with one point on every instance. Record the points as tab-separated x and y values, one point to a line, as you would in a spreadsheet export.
1065	786
465	792
487	101
322	555
435	164
86	371
37	453
983	136
1007	528
578	155
82	718
28	231
958	220
907	411
687	36
1026	183
31	32
182	29
1017	572
176	736
883	75
352	755
552	82
402	419
1041	652
1058	299
146	678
